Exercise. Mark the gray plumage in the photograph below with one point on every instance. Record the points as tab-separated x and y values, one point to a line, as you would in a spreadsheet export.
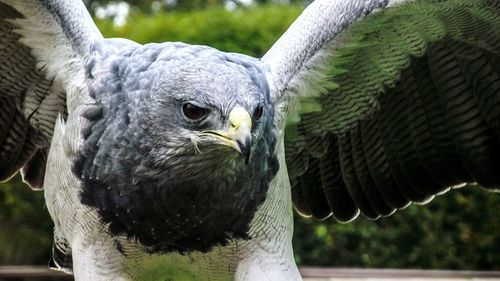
162	156
139	146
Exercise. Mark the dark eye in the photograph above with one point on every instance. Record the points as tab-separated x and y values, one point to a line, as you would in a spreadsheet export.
193	112
257	113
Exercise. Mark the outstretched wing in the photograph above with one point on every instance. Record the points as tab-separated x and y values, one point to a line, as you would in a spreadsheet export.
42	46
413	108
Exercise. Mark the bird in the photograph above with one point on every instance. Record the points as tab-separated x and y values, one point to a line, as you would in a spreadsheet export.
169	161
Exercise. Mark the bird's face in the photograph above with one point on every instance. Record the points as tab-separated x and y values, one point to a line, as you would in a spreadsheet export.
210	129
194	153
208	113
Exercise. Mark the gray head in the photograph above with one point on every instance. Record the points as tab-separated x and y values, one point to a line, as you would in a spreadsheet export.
215	103
182	154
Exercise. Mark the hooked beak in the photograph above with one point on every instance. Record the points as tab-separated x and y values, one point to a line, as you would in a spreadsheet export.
239	135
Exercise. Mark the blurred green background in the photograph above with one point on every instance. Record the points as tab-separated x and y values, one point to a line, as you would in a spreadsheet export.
460	230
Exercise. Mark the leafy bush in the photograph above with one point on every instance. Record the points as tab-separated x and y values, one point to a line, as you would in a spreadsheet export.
25	225
250	31
458	230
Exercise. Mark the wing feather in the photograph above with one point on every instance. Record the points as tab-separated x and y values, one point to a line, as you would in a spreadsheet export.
413	112
42	45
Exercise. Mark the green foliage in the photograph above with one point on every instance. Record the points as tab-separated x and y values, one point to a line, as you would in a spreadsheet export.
146	6
25	225
458	230
251	31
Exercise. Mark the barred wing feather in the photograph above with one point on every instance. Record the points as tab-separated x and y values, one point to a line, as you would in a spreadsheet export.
41	45
415	110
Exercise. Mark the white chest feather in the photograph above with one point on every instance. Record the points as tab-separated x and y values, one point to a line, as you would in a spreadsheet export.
268	255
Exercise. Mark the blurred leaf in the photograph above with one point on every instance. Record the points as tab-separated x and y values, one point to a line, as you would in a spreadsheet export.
25	225
459	230
250	31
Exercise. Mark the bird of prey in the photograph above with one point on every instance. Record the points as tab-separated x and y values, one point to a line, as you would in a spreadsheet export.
177	162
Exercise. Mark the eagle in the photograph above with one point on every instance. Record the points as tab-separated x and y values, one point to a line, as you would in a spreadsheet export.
183	162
